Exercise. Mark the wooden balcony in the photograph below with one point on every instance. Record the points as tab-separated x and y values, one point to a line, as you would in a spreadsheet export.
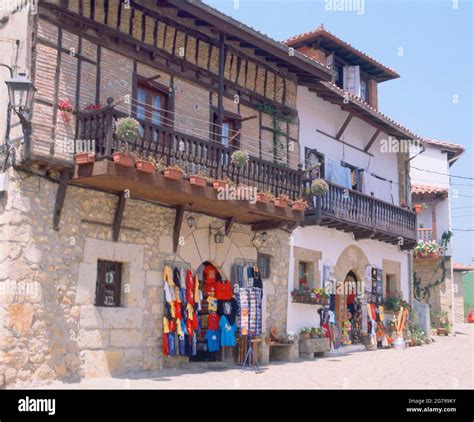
192	154
365	216
426	235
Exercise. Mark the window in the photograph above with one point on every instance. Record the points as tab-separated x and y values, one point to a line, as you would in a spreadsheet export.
364	90
314	162
109	283
230	130
356	176
306	274
391	285
339	71
263	263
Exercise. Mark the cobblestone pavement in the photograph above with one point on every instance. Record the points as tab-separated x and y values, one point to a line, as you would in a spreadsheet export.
445	364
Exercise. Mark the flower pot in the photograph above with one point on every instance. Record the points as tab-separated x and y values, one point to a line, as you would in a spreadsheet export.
145	166
442	331
280	202
418	208
262	198
298	206
306	336
123	159
313	335
198	181
173	174
219	184
399	343
84	158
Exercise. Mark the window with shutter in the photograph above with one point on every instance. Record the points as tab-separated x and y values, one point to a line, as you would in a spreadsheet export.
109	283
263	263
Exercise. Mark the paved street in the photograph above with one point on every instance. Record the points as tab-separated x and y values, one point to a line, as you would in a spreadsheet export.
445	364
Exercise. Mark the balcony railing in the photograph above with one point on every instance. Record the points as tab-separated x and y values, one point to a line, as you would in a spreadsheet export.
425	235
190	152
364	215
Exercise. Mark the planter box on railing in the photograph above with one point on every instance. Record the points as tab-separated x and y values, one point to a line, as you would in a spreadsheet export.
299	296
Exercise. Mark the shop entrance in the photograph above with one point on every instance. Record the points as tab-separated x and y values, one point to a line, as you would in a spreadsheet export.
211	278
350	311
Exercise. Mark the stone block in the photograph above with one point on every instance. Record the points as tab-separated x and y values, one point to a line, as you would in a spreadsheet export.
129	253
114	359
20	317
94	363
312	346
154	278
132	359
125	338
92	339
90	317
95	249
165	244
122	318
86	283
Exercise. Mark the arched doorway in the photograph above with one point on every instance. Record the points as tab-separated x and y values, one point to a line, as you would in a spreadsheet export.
351	322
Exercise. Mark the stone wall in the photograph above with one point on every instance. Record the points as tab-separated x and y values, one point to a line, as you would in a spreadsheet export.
50	328
440	298
458	297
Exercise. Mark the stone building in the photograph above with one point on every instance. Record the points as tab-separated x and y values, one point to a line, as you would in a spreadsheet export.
201	86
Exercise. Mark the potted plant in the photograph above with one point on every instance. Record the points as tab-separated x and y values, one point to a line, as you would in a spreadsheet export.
299	205
146	165
305	333
239	158
281	201
198	180
419	208
66	110
217	184
319	187
123	158
84	158
128	130
173	173
264	197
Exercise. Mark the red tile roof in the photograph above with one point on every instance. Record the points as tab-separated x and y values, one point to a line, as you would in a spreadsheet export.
426	189
442	144
461	267
321	31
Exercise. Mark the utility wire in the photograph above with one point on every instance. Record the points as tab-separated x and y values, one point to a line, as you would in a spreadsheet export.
444	174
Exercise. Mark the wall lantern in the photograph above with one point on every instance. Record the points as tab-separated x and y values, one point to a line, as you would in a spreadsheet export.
20	92
191	221
264	236
219	237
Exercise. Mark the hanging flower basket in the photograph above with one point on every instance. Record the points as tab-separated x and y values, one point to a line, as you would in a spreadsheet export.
128	129
240	158
84	158
197	180
173	173
281	201
319	187
145	166
123	159
66	110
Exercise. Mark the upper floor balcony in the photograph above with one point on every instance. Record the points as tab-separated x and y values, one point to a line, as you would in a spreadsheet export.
365	216
196	156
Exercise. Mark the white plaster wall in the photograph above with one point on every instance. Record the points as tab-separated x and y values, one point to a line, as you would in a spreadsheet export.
332	243
315	113
16	28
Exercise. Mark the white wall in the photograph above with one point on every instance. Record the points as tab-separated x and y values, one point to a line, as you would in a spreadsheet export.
433	159
315	113
332	243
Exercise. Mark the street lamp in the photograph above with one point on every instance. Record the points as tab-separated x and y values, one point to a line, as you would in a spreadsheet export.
20	91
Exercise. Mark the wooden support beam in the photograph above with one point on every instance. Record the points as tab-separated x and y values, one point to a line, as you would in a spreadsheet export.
60	196
266	225
368	234
117	223
344	127
228	225
178	221
372	140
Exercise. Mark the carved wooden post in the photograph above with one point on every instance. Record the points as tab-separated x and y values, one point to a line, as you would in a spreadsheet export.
109	128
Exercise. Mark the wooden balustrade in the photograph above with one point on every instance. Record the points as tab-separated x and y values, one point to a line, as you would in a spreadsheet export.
425	235
190	152
358	209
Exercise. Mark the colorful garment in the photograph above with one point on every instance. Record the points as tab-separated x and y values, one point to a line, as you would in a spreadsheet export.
212	304
213	322
227	332
224	290
213	340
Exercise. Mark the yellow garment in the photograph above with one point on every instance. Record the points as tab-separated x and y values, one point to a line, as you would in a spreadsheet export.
173	312
179	329
196	290
212	303
166	325
190	311
381	314
369	312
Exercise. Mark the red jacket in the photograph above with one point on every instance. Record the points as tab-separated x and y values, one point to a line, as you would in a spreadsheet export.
189	287
224	290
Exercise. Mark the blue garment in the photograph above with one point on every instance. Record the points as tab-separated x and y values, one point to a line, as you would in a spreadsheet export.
213	340
338	174
227	332
171	348
182	345
250	276
240	275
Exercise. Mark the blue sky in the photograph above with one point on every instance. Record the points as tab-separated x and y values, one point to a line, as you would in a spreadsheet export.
436	65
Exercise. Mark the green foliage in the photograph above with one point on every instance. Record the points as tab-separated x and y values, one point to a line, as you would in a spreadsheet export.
128	129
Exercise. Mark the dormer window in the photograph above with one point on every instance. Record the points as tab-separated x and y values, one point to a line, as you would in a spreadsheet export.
364	89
